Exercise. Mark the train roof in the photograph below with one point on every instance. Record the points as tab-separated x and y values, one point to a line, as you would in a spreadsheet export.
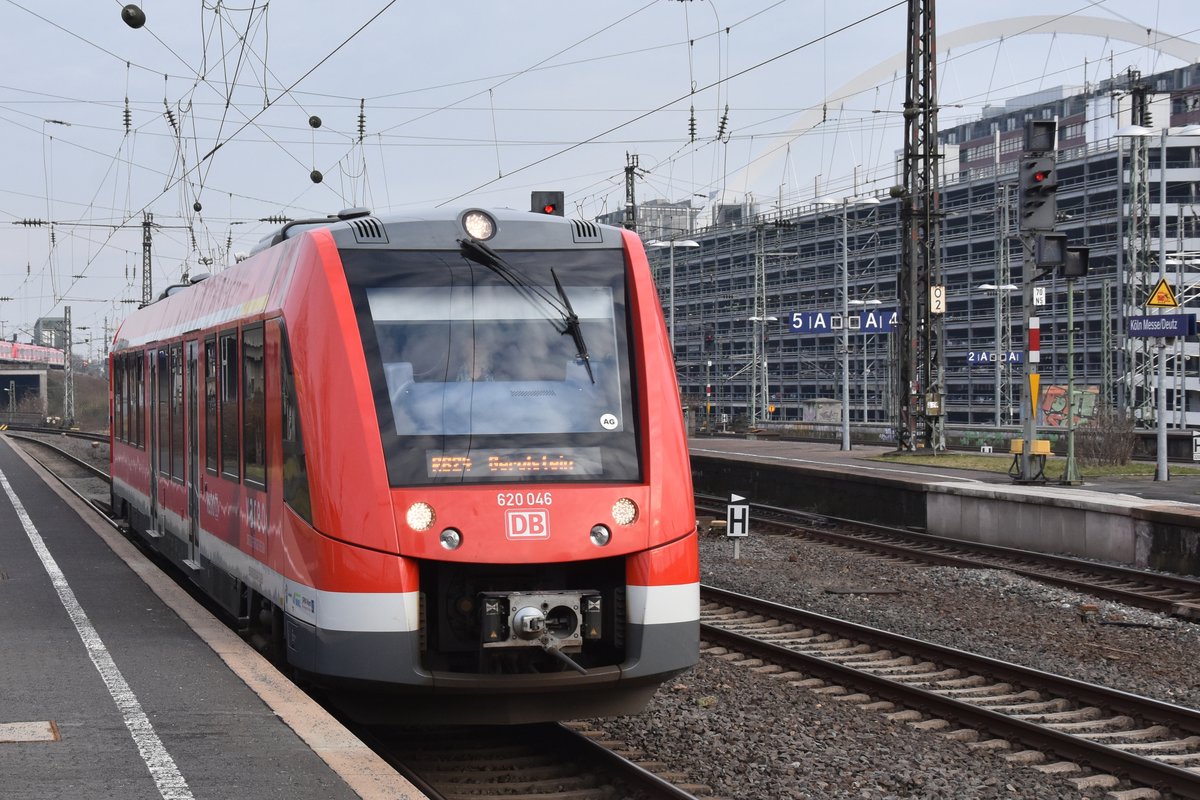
356	228
257	285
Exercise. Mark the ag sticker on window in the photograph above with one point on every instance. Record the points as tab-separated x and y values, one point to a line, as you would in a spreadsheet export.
608	422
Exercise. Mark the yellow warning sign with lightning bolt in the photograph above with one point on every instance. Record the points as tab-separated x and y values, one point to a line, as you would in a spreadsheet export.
1163	296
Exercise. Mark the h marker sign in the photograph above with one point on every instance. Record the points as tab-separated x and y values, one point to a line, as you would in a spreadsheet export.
737	517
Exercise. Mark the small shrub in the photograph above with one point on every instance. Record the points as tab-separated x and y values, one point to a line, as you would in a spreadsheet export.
1107	439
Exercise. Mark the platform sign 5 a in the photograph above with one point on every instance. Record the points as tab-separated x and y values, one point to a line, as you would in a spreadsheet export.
737	517
880	320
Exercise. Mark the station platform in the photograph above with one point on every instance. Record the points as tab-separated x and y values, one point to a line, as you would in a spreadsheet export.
869	458
115	683
1127	520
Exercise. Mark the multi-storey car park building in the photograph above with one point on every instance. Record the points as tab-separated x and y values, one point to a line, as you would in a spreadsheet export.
750	299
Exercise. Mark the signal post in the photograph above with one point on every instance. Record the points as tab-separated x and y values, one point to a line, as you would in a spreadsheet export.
1038	209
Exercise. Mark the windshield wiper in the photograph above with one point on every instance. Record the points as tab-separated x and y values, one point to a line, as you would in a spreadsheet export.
480	253
573	327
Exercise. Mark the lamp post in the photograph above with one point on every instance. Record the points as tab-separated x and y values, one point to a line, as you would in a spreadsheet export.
755	365
708	397
671	244
864	355
846	202
996	291
1160	411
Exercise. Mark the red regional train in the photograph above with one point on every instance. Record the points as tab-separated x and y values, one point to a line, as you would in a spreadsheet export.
435	462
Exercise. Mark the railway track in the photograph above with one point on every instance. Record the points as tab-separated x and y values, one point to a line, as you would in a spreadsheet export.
550	762
1168	594
569	761
1101	737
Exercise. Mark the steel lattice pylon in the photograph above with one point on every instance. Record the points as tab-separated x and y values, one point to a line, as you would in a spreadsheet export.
921	356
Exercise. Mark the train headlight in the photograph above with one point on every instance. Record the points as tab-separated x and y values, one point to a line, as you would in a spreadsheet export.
624	511
479	225
600	535
451	539
419	516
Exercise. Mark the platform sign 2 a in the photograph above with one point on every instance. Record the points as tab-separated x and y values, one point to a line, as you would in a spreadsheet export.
737	517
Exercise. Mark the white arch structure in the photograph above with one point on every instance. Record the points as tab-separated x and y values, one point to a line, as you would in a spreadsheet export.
1117	30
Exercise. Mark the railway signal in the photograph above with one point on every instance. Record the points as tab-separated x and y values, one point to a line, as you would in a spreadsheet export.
546	203
1039	184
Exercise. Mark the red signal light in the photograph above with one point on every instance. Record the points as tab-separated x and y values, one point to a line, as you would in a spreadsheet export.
549	208
1038	177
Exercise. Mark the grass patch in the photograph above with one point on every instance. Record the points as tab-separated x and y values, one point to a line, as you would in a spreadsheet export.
1054	465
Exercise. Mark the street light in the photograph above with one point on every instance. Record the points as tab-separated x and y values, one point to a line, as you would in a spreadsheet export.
1160	413
672	244
765	393
864	354
996	291
846	202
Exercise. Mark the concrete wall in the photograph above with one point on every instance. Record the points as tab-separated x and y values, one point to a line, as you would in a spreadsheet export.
1110	527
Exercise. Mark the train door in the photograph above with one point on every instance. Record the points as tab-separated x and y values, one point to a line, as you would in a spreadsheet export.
157	362
192	468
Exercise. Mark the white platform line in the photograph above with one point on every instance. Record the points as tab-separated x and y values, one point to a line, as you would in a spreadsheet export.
167	777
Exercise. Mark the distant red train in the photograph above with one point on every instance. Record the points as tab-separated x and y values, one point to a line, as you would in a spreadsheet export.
15	351
436	462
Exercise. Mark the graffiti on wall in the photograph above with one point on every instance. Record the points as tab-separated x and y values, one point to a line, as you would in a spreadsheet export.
1053	406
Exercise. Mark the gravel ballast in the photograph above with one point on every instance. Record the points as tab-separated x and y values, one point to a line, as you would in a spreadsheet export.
747	735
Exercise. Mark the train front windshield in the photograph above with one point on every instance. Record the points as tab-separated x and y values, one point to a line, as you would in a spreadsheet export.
477	368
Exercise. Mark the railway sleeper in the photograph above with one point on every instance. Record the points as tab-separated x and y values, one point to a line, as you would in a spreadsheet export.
1029	695
1187	760
1059	768
920	680
1144	734
1028	711
968	683
866	659
844	654
919	667
990	744
1025	757
900	661
979	690
1190	743
1074	715
1092	725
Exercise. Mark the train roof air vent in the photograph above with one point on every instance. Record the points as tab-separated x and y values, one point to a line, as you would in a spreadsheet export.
585	232
368	230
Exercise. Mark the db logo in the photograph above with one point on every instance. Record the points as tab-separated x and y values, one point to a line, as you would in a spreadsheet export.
532	523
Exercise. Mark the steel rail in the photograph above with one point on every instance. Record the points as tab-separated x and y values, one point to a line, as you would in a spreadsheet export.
96	472
1146	771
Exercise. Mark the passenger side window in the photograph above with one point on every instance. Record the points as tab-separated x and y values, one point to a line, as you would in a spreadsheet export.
295	468
211	431
254	407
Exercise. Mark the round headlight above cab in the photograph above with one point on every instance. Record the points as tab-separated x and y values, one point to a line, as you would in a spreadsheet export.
419	516
479	225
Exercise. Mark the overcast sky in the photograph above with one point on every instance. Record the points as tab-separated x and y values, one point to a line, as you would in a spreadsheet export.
464	103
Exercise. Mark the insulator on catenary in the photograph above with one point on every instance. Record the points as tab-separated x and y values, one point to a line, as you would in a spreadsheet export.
723	124
362	119
128	116
692	125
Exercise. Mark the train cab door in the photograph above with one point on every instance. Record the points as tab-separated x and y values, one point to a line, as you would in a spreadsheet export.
192	467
